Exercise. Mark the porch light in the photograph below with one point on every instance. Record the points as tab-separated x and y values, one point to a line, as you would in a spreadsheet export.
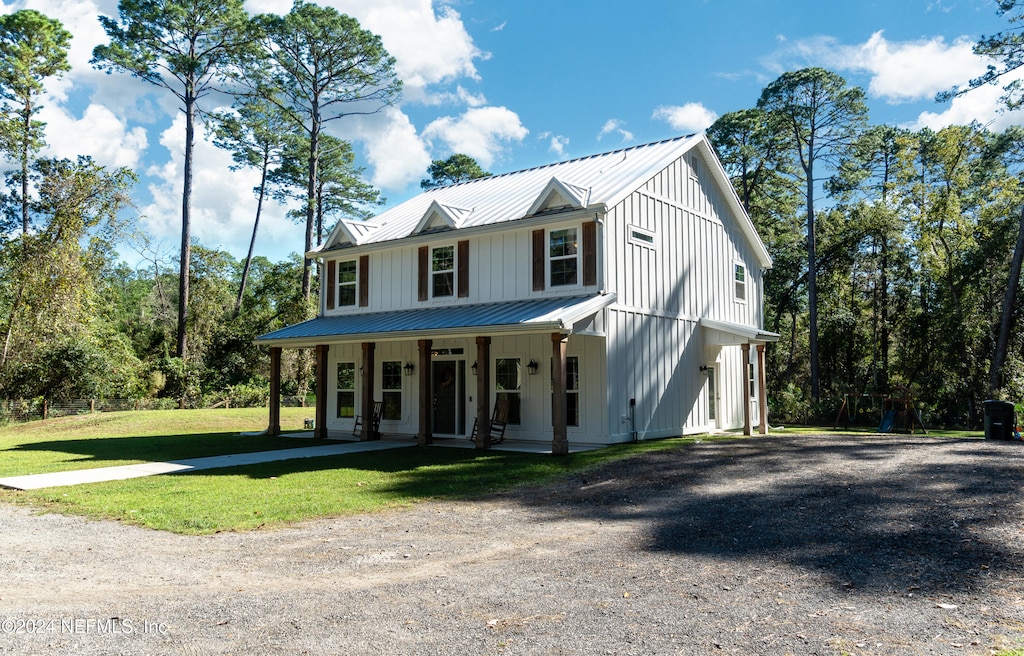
533	366
474	368
704	369
409	368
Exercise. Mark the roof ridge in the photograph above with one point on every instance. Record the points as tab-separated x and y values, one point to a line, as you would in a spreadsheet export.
568	161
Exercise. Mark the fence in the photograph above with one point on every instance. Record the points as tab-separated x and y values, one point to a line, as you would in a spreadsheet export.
33	409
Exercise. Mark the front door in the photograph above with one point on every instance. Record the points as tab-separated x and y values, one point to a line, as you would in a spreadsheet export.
449	401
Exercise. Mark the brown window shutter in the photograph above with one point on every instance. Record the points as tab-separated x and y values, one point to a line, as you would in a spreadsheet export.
331	279
364	280
589	253
538	260
424	274
462	268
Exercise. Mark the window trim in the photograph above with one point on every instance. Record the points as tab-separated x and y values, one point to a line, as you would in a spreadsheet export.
339	390
641	236
577	257
739	270
454	271
338	284
386	391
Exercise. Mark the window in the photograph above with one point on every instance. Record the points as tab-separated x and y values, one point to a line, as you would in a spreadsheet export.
346	389
572	390
508	382
641	236
562	253
740	276
347	283
391	384
442	271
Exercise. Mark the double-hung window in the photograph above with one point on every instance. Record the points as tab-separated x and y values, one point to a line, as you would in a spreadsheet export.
347	283
563	257
442	271
346	389
391	384
508	384
740	278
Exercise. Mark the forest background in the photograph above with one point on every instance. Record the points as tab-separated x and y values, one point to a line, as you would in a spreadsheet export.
896	253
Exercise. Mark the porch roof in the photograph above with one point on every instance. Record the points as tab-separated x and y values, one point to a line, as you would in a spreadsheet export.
553	314
726	333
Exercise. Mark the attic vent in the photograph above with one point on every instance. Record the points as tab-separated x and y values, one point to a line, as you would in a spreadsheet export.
442	217
693	160
559	195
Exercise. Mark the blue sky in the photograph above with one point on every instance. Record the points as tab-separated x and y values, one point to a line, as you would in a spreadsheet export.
520	83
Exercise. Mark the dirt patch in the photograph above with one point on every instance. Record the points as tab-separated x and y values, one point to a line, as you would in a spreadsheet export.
825	544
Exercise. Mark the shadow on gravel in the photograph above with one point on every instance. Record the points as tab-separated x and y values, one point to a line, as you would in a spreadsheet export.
855	509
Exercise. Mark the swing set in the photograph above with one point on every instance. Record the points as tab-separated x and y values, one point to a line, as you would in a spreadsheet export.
891	412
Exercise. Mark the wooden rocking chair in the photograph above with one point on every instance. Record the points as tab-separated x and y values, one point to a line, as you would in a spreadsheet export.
378	412
499	419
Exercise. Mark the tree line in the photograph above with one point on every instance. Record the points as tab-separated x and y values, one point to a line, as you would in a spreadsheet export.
896	252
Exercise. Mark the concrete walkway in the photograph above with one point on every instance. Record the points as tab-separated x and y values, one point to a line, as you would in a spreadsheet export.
123	472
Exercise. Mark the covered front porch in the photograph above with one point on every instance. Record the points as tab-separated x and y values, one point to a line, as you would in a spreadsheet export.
432	373
752	376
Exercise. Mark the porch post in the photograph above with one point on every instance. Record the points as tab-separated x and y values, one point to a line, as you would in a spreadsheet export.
483	392
274	427
425	435
368	365
320	431
745	379
559	404
762	398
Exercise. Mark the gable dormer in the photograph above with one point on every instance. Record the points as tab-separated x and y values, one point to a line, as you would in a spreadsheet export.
440	217
348	233
559	195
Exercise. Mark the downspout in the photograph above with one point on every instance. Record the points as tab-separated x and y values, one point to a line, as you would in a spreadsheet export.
632	421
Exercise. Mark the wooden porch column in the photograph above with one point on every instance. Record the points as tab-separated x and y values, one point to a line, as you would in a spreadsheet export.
367	406
320	431
425	435
559	403
483	392
274	427
745	378
762	397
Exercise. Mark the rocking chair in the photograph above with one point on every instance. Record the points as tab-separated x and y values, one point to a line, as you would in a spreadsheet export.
378	412
499	419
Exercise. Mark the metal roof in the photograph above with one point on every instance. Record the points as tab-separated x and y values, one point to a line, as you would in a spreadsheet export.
553	314
595	182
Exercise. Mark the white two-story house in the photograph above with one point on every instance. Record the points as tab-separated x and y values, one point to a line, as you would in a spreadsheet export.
608	298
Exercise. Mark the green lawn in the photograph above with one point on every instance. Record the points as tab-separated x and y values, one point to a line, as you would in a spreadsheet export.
263	495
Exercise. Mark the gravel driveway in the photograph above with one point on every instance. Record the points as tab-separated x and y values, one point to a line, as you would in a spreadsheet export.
822	544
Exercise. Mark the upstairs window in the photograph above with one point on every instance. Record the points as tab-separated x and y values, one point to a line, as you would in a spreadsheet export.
740	278
442	271
347	283
563	255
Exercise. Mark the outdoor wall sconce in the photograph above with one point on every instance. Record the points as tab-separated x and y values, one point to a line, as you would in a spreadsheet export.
409	368
474	368
533	366
704	369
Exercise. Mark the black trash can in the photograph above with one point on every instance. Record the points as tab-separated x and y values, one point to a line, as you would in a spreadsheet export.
999	420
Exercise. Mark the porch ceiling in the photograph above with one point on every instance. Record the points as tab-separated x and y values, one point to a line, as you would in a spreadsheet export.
556	314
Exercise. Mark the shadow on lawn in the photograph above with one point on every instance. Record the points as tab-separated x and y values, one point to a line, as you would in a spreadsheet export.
944	521
160	447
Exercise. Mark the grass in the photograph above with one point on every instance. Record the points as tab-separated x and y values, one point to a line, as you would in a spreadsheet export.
255	496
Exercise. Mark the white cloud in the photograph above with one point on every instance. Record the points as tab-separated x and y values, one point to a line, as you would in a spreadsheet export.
394	150
429	46
614	125
691	117
110	142
481	132
223	205
558	144
981	105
